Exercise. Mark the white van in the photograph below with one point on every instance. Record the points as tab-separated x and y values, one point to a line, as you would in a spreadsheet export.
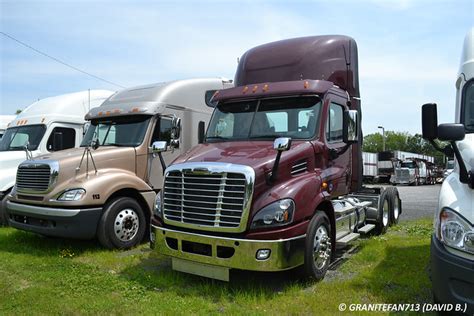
48	125
452	244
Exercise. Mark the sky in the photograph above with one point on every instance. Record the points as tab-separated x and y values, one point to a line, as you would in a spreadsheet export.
409	50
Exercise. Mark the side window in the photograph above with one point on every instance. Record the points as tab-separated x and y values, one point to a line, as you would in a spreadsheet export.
162	131
334	123
68	138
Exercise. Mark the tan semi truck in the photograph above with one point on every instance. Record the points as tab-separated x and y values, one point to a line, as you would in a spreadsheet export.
106	188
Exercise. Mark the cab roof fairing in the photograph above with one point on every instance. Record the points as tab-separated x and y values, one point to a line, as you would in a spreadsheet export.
153	98
274	89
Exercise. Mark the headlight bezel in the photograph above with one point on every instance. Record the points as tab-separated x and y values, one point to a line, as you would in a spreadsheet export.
452	224
280	212
158	205
72	195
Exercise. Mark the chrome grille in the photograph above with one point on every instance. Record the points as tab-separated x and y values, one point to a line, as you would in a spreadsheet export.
215	200
402	175
299	167
33	177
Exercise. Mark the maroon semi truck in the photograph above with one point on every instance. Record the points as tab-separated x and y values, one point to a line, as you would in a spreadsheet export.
276	181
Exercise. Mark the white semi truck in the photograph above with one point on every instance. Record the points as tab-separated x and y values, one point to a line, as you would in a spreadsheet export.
48	125
4	122
452	243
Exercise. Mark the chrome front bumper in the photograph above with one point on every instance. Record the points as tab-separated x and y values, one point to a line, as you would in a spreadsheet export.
231	253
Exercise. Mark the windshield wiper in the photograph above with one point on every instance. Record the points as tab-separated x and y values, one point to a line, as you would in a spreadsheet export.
115	144
216	137
265	136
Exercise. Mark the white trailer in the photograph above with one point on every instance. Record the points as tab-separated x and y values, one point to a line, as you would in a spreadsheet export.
48	125
370	168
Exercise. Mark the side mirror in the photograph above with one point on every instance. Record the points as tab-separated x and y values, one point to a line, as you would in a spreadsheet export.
429	121
451	132
159	147
57	141
176	128
282	144
85	127
201	132
350	127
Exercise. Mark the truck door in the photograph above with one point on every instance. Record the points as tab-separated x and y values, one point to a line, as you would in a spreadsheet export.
338	172
161	132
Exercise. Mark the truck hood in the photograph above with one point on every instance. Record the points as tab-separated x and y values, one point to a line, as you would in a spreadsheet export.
9	161
106	159
454	194
259	155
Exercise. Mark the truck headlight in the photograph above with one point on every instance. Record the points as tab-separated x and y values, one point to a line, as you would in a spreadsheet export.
278	213
72	195
455	231
158	205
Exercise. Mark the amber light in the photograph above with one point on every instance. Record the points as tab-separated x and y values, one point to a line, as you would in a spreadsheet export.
324	185
245	89
306	84
265	88
254	89
134	110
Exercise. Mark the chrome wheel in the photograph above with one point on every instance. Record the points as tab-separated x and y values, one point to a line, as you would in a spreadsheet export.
126	224
321	247
396	208
386	210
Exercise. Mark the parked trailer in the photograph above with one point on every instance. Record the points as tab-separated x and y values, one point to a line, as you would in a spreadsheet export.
452	243
107	188
46	126
5	120
370	171
277	182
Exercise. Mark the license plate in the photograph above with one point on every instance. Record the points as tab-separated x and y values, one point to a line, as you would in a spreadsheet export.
201	269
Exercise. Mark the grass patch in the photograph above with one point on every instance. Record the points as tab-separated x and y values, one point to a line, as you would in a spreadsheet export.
52	276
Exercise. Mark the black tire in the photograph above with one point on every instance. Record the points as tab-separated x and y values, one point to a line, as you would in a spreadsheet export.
318	236
383	216
3	212
395	205
122	224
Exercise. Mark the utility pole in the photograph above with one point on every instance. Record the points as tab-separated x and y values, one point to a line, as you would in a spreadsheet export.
383	137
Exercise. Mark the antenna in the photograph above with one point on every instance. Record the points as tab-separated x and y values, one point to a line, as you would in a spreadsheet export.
89	99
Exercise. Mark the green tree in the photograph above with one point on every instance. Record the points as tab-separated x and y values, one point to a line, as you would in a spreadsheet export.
18	112
403	141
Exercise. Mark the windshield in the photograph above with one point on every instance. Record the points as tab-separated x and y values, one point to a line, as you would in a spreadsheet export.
467	116
15	138
117	131
266	119
408	165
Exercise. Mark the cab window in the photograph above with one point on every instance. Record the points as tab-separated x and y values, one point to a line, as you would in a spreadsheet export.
334	123
68	137
162	131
